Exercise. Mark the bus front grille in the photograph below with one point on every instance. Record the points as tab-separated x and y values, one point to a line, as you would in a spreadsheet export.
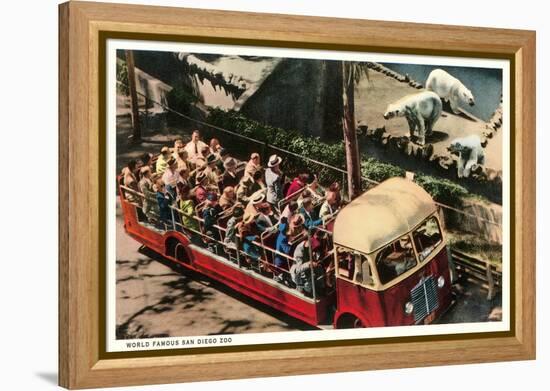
424	298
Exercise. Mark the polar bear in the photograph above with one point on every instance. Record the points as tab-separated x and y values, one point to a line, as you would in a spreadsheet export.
449	88
422	110
469	151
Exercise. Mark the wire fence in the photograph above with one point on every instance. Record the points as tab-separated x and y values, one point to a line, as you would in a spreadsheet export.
451	214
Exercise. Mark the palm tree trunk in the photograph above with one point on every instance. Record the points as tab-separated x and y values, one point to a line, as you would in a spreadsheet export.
353	163
136	136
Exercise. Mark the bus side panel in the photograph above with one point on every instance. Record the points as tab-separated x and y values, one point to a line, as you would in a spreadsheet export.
394	298
144	235
359	301
257	289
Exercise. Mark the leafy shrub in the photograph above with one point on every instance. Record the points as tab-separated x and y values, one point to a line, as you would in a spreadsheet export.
179	99
378	171
442	190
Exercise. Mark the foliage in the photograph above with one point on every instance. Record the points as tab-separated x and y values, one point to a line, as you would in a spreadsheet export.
180	99
442	190
122	77
379	171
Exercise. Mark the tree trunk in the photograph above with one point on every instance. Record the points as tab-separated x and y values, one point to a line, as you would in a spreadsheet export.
136	135
353	163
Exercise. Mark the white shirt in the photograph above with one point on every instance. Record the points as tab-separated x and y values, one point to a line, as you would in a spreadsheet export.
170	177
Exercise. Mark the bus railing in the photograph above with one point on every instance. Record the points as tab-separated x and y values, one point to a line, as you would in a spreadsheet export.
263	264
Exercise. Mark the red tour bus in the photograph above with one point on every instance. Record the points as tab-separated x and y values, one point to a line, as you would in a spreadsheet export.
383	259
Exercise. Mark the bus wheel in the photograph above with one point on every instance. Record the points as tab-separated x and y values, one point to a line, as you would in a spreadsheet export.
349	321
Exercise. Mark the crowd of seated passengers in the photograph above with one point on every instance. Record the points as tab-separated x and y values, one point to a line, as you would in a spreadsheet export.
195	174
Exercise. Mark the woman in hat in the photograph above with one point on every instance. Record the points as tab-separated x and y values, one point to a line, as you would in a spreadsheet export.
211	172
230	176
274	180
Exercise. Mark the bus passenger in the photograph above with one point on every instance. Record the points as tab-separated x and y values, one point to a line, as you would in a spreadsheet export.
231	229
187	208
210	214
146	160
317	192
164	200
171	177
265	220
297	184
178	146
150	205
274	179
244	189
287	231
230	176
129	180
248	234
253	165
223	155
195	146
289	211
200	190
301	270
211	173
310	217
329	207
215	147
181	159
259	184
162	160
228	199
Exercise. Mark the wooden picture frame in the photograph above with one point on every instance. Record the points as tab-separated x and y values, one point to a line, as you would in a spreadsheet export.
83	29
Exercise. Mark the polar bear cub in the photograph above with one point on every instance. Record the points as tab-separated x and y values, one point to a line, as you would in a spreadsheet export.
422	110
449	88
469	151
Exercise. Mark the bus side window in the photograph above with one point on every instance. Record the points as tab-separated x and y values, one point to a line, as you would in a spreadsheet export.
346	263
364	273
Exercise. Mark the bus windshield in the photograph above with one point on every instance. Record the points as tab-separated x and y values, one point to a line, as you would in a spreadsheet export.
427	237
395	259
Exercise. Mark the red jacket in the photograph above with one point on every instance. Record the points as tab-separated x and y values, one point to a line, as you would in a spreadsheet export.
294	187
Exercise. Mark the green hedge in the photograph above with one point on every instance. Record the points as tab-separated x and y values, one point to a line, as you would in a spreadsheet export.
442	190
179	99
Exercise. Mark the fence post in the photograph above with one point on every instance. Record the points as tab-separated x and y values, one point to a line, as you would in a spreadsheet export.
490	281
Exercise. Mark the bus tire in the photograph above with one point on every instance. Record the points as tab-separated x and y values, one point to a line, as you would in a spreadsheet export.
349	321
176	250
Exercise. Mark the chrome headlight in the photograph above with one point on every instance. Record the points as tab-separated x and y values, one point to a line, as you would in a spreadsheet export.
409	307
441	282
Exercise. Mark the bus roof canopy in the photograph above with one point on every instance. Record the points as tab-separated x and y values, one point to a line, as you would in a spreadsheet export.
382	214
